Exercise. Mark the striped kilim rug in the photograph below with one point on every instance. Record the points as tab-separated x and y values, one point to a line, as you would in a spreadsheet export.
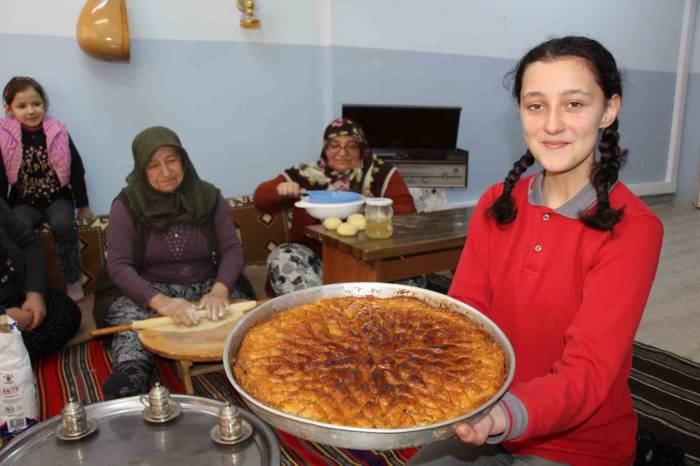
80	370
666	395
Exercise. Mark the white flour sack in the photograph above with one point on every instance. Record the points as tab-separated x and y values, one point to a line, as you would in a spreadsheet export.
17	393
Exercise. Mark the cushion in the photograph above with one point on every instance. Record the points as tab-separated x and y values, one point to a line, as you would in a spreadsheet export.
93	249
260	232
257	276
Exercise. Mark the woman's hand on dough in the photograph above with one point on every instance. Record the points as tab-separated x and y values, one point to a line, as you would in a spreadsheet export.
216	301
178	309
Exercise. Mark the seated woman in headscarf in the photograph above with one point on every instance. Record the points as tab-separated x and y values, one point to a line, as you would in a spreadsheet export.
48	318
171	241
346	164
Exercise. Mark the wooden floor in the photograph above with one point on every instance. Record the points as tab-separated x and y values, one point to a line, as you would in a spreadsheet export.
671	320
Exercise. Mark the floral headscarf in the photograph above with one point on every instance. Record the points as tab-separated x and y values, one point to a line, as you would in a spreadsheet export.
368	176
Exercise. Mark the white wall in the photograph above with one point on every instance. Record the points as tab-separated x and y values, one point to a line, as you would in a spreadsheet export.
284	22
642	34
695	51
689	164
254	102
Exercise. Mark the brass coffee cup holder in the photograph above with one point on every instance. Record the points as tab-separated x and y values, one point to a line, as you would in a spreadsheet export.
75	424
159	407
232	428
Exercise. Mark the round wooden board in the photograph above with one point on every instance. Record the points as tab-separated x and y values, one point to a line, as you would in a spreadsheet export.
194	345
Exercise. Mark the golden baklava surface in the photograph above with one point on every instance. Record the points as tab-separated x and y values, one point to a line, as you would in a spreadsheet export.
370	362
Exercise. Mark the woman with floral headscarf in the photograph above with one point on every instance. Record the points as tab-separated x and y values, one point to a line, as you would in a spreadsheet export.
346	164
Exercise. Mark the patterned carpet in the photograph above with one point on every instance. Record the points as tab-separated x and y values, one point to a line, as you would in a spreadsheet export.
665	388
666	395
80	371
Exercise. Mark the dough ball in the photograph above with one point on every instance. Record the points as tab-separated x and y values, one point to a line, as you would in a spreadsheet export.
347	229
332	223
358	220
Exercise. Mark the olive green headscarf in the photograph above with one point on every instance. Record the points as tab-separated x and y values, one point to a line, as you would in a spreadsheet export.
192	202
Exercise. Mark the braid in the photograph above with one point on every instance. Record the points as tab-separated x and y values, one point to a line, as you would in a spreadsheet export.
503	211
604	174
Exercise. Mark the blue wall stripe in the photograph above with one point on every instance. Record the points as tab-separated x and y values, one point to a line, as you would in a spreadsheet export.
245	111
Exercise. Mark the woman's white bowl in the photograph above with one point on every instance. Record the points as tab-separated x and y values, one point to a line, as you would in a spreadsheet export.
323	211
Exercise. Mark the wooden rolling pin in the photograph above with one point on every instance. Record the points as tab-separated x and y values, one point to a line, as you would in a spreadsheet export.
242	307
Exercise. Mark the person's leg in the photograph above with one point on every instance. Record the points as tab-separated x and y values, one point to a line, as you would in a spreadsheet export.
191	292
419	281
454	452
28	218
132	364
293	267
534	461
195	291
61	217
60	324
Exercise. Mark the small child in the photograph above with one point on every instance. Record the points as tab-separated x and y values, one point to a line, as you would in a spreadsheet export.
44	173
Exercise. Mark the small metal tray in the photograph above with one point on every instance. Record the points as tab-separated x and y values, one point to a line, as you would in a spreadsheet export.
124	438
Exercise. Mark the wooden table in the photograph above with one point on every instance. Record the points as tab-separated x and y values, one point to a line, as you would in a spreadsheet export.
421	243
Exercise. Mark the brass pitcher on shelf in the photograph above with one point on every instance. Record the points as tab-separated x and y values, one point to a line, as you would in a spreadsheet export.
103	30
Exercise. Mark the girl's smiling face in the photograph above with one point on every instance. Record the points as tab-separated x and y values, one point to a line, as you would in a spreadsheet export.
562	109
28	107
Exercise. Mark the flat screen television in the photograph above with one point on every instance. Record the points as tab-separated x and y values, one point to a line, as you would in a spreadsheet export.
406	127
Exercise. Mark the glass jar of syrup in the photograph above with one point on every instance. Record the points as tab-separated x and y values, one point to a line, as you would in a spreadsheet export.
379	214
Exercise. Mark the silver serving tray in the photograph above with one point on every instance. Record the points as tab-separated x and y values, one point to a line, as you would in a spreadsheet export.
358	437
124	438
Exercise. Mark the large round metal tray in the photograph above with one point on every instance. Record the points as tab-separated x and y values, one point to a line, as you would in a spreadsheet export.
124	438
357	437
